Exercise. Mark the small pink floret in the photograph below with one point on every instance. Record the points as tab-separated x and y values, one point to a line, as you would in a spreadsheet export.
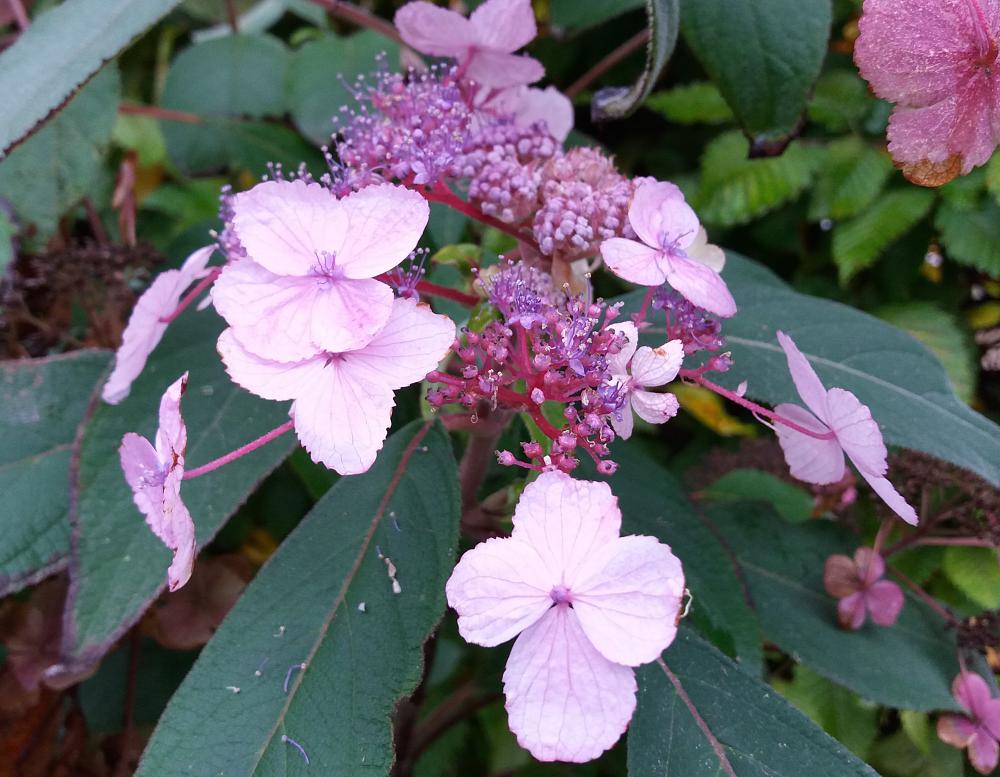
978	730
862	592
635	370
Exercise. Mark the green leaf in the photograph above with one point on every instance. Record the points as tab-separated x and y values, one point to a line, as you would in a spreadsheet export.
321	72
859	242
118	566
575	14
993	177
850	178
43	402
971	237
735	189
58	53
976	573
325	600
764	57
617	102
61	162
761	734
840	100
696	103
7	236
791	503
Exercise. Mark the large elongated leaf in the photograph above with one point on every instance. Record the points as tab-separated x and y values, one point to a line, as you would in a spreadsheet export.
62	49
118	567
760	734
43	402
325	602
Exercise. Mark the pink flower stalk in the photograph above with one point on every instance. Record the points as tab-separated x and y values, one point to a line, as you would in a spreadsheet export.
979	729
308	285
937	60
529	106
672	248
637	369
585	604
155	474
852	430
343	401
148	322
859	586
484	44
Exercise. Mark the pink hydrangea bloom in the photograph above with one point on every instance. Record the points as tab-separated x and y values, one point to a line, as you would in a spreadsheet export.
484	44
308	284
979	729
937	60
531	106
859	586
155	474
855	433
585	604
343	401
636	369
146	325
673	249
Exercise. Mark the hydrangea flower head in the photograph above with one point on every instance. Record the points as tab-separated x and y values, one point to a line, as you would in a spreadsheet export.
484	44
637	369
859	586
154	474
585	604
672	248
979	729
938	61
308	282
855	433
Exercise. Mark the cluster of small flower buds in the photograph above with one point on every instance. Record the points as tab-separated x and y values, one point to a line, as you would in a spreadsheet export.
698	329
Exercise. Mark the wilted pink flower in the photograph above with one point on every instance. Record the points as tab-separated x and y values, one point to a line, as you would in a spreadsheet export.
531	106
585	605
937	60
343	401
155	474
634	370
859	585
673	249
309	284
146	325
854	432
484	44
978	730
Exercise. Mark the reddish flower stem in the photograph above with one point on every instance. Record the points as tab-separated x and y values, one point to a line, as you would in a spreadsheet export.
444	292
646	300
159	113
604	65
250	447
190	297
445	196
929	600
360	17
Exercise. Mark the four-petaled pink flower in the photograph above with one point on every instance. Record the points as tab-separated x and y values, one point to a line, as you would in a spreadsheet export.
484	44
585	605
343	401
308	284
155	474
938	61
634	370
531	106
979	729
146	325
673	249
859	586
852	431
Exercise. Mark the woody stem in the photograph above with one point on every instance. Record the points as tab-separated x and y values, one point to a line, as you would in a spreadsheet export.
250	447
445	196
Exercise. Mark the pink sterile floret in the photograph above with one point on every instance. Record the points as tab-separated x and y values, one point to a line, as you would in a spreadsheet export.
483	44
634	370
937	60
146	325
529	106
859	586
821	461
978	730
343	401
308	284
155	474
673	249
585	604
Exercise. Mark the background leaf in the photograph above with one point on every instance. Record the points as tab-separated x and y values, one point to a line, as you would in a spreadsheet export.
696	103
851	177
587	13
971	236
790	502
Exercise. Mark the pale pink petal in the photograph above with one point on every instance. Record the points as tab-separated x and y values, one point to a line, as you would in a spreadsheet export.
171	436
565	701
633	261
384	223
856	431
286	226
658	366
869	565
618	362
500	71
807	382
654	408
177	531
624	425
263	377
434	30
348	314
955	730
699	284
884	601
504	25
659	215
840	576
971	691
566	520
628	599
145	474
984	752
892	497
498	589
531	106
989	716
195	266
706	253
810	459
851	611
